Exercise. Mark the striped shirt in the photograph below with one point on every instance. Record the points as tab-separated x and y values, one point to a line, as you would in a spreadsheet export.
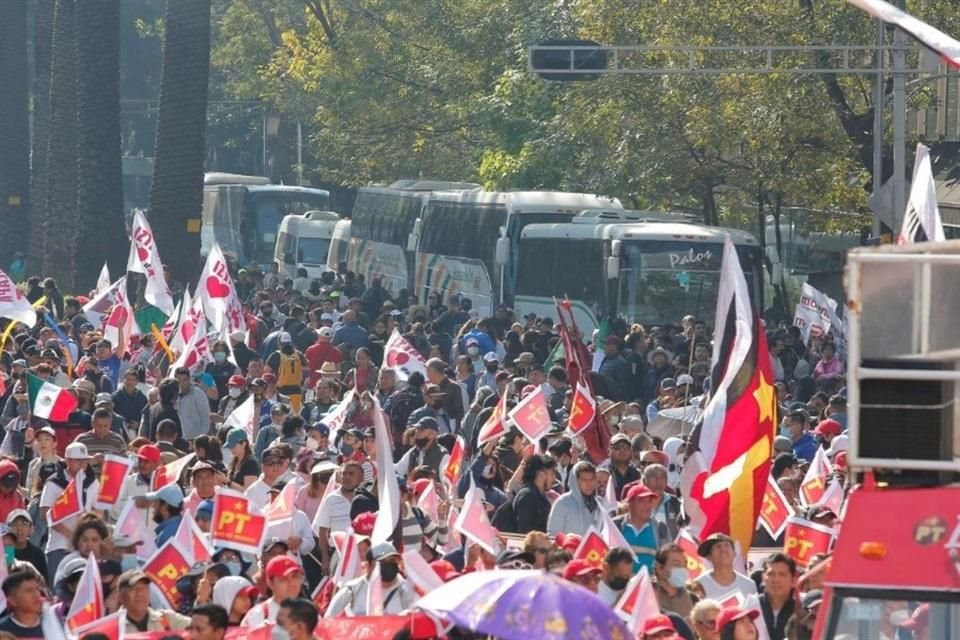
113	443
413	532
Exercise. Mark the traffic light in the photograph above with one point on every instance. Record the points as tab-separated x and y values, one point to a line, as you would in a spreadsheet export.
568	60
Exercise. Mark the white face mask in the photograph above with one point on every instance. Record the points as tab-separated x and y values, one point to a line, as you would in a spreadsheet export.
234	392
312	444
473	350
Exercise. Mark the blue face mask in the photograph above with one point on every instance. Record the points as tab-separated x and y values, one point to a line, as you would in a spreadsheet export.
220	356
234	567
129	561
785	431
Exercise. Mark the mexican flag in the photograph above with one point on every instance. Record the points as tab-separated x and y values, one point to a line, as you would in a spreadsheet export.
49	401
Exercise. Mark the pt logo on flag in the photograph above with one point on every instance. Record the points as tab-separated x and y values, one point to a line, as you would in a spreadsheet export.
235	523
165	568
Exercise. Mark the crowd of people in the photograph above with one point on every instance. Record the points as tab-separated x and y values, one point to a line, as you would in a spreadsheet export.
307	346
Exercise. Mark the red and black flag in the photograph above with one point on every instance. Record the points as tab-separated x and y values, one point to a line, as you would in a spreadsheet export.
725	477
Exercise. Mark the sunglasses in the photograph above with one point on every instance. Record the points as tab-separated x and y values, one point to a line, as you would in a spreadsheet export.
709	623
516	564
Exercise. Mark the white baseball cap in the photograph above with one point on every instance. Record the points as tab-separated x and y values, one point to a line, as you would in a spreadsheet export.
325	332
76	451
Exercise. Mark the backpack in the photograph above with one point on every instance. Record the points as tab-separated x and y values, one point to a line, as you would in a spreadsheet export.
291	371
405	404
505	518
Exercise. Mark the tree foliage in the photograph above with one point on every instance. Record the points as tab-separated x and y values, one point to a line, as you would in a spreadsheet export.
439	88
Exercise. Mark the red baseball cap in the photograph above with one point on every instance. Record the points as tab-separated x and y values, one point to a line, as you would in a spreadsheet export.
282	566
828	427
149	452
579	567
363	523
568	541
732	614
639	492
658	624
237	381
269	378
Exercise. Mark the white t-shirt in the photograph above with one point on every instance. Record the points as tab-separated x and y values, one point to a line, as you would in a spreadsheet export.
260	613
258	493
333	513
720	592
51	492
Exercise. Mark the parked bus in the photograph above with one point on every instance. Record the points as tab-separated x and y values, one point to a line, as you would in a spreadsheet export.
339	246
653	269
466	240
382	223
243	213
303	242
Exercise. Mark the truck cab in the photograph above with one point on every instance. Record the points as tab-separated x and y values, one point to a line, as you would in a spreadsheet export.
895	568
303	242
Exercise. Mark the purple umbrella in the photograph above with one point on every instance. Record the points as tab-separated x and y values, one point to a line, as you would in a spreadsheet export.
524	605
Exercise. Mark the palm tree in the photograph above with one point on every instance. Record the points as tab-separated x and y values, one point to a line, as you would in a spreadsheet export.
42	40
60	223
176	194
100	217
14	128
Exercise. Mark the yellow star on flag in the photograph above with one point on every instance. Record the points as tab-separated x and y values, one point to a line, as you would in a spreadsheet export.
765	399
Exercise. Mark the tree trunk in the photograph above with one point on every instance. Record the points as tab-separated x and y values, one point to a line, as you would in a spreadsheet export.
14	128
101	226
42	40
60	225
176	195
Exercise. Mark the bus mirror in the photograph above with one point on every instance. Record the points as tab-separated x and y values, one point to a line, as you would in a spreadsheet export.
777	276
615	248
613	268
502	256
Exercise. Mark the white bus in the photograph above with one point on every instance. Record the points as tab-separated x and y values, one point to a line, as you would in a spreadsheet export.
382	222
339	245
303	242
466	241
243	213
651	271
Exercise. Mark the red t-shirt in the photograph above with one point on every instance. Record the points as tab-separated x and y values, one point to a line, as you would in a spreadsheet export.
317	354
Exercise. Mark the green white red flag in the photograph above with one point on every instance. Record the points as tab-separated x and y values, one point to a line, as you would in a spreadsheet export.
49	401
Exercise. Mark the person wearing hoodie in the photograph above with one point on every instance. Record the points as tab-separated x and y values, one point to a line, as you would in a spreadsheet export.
484	472
578	509
11	497
236	595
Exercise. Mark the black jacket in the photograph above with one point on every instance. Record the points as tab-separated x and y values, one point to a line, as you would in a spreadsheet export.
777	628
532	509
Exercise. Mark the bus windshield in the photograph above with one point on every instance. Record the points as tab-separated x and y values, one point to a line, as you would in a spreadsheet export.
878	617
662	281
312	251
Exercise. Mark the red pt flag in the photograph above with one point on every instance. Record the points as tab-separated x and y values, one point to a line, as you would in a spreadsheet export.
112	474
237	524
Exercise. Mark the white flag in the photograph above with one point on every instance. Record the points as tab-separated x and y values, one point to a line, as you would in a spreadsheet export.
474	523
195	355
399	355
219	296
921	220
194	320
941	43
100	305
13	304
243	417
387	488
120	324
145	258
103	281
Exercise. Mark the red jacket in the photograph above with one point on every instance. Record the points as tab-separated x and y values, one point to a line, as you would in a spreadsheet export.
13	499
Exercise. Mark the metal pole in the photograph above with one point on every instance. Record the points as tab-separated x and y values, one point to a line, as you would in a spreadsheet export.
899	122
299	155
878	124
264	166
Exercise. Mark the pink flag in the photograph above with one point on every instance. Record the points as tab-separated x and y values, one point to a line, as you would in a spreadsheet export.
531	416
473	521
429	502
815	481
145	258
387	488
120	324
419	573
349	566
638	602
375	592
280	512
453	542
195	355
132	523
194	319
87	604
833	497
399	355
192	541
